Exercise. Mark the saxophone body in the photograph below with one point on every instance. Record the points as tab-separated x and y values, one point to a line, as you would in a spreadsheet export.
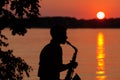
70	71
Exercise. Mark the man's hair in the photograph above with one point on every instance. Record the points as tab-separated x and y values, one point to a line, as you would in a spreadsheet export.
57	30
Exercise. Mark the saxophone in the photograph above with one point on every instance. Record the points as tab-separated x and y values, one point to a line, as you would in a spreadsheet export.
71	70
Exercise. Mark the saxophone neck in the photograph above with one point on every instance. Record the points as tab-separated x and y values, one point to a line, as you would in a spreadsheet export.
72	46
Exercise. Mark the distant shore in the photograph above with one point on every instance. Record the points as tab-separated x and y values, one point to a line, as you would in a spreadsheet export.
70	22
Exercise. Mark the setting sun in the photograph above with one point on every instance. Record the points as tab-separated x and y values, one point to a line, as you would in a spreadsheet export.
100	15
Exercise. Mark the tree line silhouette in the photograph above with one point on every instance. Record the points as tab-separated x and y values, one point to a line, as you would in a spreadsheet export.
12	67
71	22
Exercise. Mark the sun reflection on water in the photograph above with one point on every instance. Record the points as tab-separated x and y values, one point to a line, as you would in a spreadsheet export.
100	57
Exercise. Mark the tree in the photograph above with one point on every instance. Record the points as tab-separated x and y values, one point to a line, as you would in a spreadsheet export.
12	13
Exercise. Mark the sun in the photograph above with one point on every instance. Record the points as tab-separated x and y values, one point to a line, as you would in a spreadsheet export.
100	15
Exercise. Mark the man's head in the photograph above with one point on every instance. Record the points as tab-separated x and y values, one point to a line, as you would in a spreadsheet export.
59	33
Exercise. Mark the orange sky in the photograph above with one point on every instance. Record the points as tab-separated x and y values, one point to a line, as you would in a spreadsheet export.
80	9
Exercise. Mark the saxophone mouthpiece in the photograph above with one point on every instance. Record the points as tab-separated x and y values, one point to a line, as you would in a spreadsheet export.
68	42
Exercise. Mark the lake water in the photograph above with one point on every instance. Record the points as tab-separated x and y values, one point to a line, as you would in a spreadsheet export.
98	51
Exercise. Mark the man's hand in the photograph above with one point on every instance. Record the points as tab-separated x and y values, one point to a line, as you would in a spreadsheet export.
73	64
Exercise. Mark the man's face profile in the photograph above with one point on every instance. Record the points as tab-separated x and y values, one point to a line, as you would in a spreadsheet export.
59	33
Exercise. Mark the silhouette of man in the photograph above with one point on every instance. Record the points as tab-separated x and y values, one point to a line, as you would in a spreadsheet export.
50	64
